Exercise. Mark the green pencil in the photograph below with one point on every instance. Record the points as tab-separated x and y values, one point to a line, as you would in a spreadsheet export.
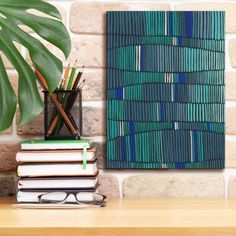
72	75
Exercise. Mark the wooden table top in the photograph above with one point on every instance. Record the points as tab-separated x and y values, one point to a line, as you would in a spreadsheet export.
196	217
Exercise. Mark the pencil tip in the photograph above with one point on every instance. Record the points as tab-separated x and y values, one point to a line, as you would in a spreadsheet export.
75	64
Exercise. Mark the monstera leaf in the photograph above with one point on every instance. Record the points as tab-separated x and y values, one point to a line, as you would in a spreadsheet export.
14	14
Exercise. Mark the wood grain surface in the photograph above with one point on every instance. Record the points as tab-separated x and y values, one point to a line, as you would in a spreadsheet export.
198	217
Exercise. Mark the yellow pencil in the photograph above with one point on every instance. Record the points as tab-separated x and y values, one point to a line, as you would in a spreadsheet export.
66	75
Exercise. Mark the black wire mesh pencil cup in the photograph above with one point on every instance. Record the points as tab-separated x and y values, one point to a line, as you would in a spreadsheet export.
63	114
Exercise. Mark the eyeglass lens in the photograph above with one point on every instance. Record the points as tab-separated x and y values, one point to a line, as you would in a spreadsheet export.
81	197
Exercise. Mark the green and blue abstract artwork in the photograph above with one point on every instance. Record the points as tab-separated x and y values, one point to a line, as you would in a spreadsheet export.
165	89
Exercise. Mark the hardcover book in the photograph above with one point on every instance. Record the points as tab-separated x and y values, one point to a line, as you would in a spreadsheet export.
55	144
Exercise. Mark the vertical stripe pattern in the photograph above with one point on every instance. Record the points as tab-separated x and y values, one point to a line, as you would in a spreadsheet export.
165	89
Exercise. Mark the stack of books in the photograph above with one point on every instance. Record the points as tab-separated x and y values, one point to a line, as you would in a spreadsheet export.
55	166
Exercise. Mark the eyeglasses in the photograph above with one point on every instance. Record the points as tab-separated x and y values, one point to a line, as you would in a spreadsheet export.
81	198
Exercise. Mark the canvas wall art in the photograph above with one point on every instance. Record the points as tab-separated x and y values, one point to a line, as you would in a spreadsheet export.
165	89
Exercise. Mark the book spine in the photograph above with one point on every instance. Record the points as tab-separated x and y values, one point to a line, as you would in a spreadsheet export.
58	175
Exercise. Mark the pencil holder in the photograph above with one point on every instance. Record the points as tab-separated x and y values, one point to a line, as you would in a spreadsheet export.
63	114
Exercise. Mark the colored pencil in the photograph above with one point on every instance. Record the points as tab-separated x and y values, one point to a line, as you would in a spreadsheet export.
78	77
66	74
67	100
72	75
57	104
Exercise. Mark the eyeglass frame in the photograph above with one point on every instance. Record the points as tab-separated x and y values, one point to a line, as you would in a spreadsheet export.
103	202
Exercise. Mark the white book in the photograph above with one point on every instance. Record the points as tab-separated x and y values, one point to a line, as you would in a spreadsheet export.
61	169
54	156
57	183
55	144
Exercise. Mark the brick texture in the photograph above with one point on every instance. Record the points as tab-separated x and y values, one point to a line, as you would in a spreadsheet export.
93	121
100	154
8	151
174	185
95	86
89	50
229	8
230	80
90	17
34	127
232	52
230	154
230	120
109	185
7	186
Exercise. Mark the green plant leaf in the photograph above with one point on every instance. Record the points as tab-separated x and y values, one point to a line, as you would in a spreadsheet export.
14	13
45	61
51	30
24	5
30	102
7	99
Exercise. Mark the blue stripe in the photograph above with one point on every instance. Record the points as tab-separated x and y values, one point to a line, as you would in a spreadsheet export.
209	126
173	125
132	141
170	16
119	93
123	148
180	165
181	77
189	29
180	41
195	145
